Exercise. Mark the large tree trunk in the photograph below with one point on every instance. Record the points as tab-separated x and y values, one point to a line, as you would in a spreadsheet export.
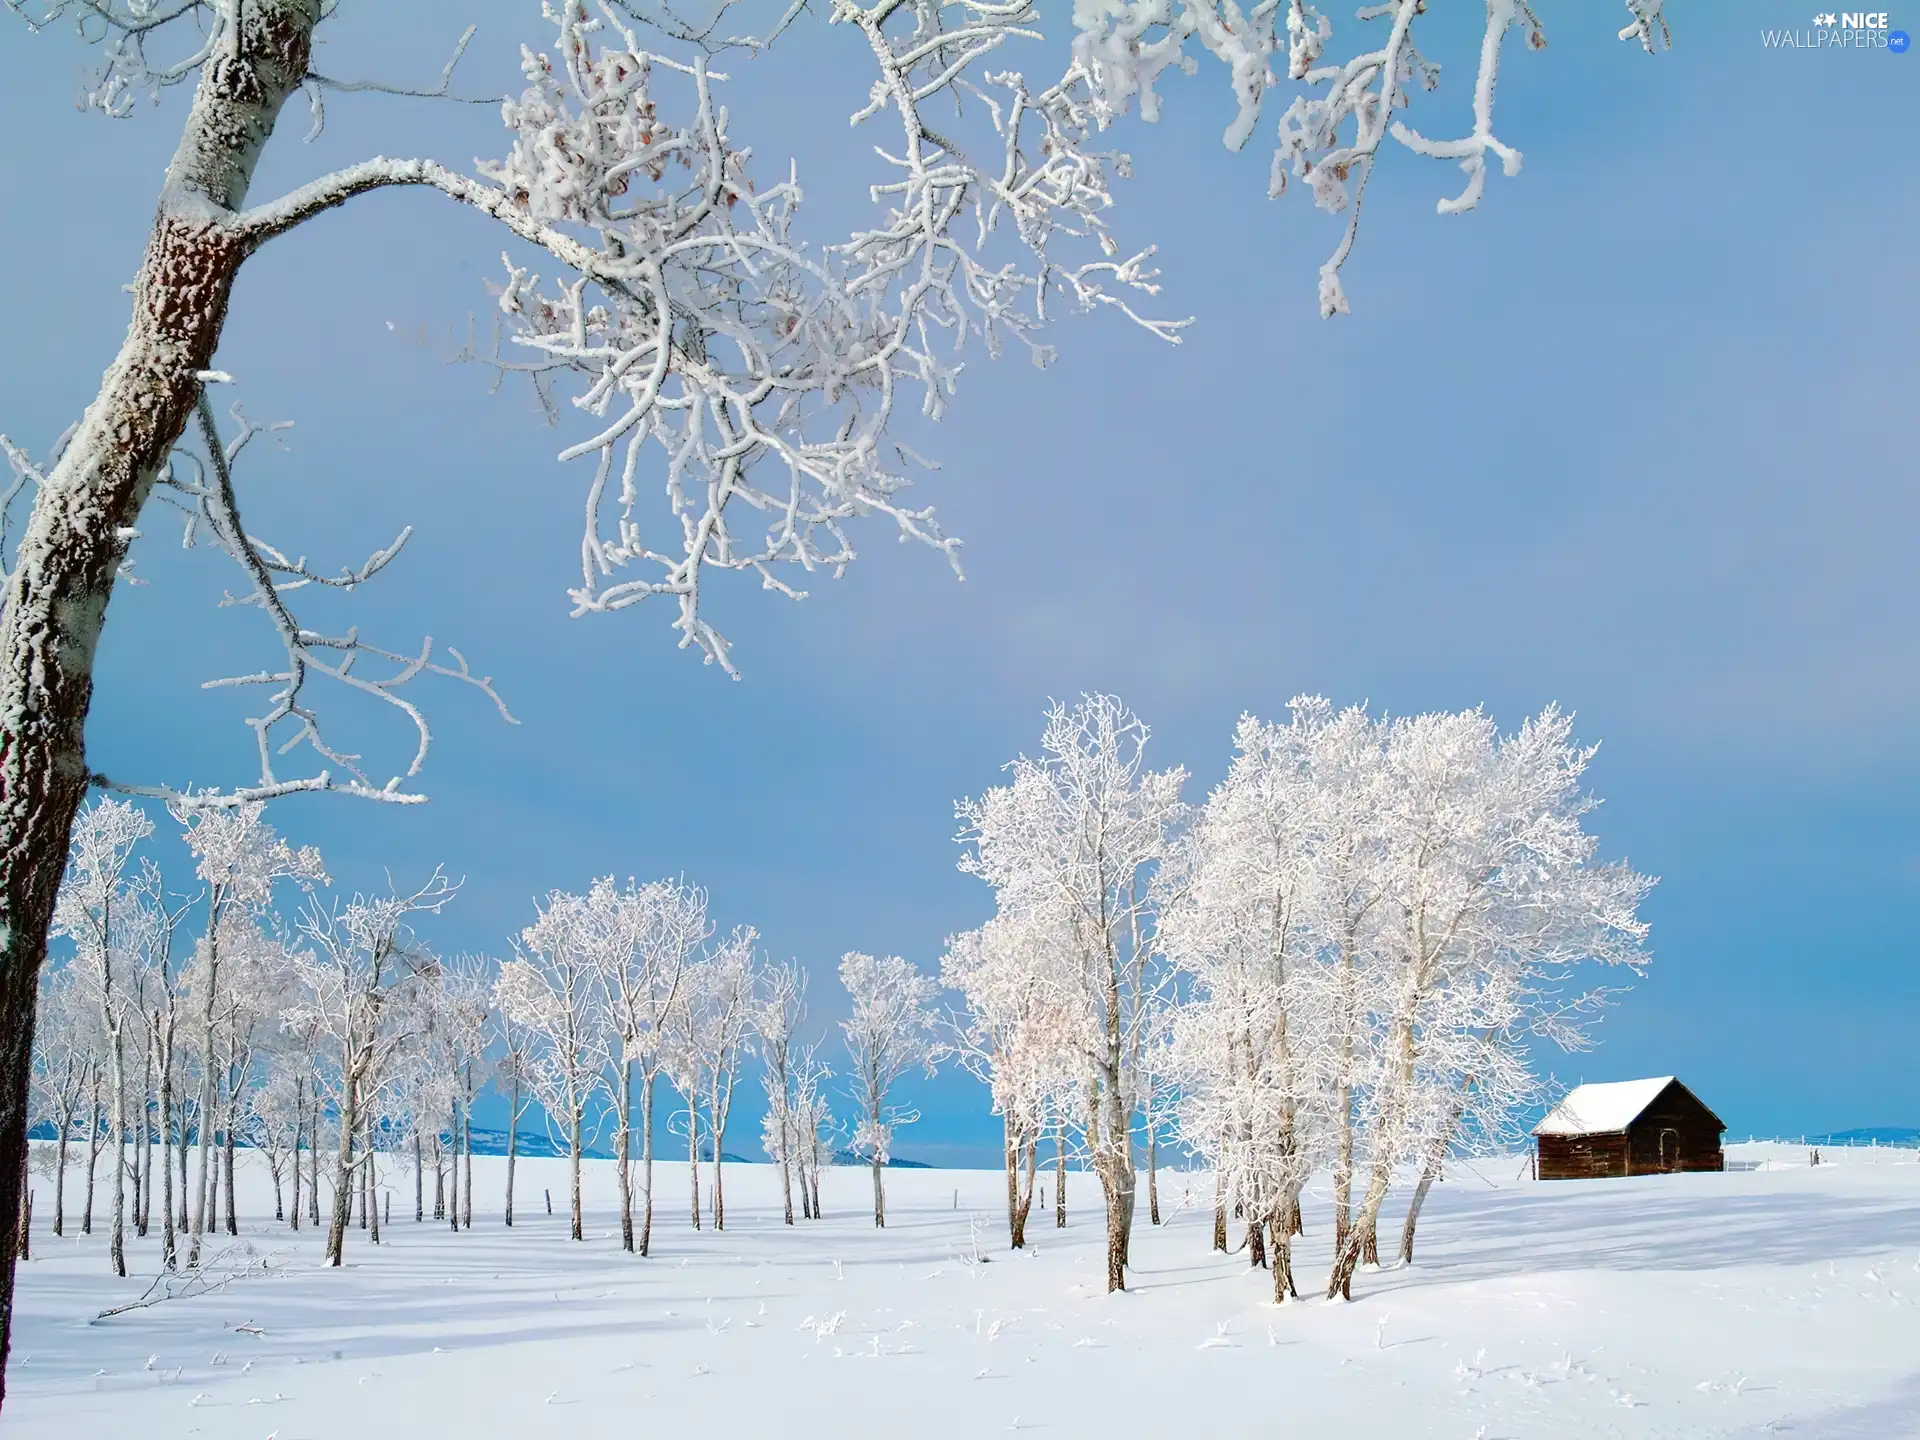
453	1168
1060	1180
226	1151
466	1153
786	1162
1343	1104
313	1169
513	1148
117	1241
1022	1162
180	1158
1119	1181
84	516
203	1113
60	1173
1282	1256
623	1161
879	1195
299	1133
1389	1132
646	1162
579	1230
343	1170
93	1150
1153	1179
368	1196
213	1203
693	1157
1346	1258
169	1255
719	1128
1429	1172
142	1176
1427	1177
1016	1221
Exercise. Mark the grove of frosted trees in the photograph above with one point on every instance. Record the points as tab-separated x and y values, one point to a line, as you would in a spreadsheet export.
743	371
1337	972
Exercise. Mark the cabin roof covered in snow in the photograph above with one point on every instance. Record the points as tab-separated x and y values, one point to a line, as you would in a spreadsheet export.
1602	1109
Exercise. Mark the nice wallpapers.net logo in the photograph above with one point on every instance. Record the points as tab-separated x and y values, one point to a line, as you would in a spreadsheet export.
1842	30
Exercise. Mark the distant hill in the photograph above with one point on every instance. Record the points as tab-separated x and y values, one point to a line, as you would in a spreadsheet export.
848	1157
537	1142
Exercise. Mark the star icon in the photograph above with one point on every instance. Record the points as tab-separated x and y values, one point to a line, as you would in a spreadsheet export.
1826	19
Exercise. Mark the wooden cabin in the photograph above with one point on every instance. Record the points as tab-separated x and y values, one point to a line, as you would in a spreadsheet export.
1629	1127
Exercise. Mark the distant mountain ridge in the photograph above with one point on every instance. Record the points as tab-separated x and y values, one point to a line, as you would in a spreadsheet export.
537	1144
1900	1135
849	1157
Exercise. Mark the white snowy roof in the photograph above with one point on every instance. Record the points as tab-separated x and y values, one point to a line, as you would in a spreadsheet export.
1602	1109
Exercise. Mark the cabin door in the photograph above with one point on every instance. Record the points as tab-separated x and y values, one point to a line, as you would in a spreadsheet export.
1669	1151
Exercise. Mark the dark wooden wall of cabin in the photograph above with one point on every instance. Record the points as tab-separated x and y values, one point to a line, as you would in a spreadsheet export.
1694	1142
1582	1157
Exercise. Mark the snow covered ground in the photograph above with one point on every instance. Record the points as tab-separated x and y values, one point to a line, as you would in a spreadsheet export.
1783	1299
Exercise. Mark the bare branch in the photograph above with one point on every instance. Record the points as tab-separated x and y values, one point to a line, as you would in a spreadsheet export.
316	84
208	496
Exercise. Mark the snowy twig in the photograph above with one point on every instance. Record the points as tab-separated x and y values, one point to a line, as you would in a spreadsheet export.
239	1261
203	488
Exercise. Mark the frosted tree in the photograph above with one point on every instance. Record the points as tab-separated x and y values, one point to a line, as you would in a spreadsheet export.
644	938
1496	898
460	1001
554	989
159	982
94	910
814	1127
890	1032
1341	111
1015	1035
63	1058
1077	836
1253	1040
275	1120
356	981
240	859
716	1012
1487	865
513	1069
694	315
780	1011
422	1091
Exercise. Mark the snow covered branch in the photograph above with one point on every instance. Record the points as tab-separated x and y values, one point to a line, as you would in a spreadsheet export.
760	370
1330	134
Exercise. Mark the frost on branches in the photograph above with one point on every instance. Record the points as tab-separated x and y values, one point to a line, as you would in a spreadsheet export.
1073	844
1336	969
1378	915
755	370
890	1032
1331	132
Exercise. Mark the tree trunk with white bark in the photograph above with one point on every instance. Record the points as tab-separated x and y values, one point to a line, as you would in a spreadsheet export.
85	512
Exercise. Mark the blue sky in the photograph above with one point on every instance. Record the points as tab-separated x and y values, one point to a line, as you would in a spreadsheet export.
1636	437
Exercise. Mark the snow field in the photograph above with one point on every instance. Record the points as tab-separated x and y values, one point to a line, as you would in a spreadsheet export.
1779	1300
